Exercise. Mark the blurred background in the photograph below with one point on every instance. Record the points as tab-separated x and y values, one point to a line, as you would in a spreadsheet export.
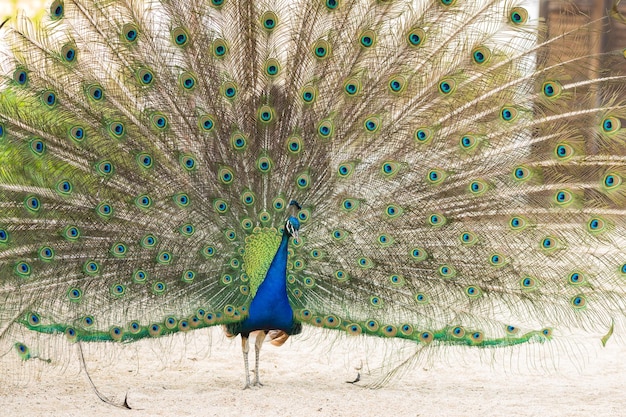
32	8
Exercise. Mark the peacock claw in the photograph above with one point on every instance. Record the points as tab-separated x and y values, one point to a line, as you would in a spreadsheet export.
255	384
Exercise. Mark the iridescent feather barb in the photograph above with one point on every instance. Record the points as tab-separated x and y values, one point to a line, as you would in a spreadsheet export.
457	170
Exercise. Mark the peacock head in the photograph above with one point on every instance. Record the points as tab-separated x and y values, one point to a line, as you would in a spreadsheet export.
292	225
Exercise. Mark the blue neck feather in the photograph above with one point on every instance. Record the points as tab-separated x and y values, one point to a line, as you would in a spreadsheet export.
270	309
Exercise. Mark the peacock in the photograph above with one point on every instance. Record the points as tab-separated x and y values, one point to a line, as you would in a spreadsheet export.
448	172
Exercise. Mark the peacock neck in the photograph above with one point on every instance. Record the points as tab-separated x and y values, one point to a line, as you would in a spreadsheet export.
270	308
276	278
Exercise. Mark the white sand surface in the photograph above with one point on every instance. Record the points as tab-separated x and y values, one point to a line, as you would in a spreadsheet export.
306	377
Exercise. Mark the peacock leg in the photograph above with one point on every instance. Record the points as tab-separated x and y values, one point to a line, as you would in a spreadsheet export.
258	343
245	348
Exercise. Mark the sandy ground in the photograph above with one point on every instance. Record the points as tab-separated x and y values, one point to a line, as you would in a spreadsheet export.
306	378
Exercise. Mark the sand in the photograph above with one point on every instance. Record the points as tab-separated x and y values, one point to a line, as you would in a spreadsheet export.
306	377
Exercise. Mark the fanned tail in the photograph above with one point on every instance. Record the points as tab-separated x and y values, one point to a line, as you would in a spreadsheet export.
459	168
